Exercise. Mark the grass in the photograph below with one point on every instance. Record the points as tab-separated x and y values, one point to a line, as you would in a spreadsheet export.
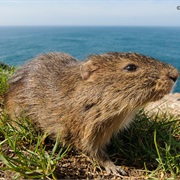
151	147
26	154
5	73
152	143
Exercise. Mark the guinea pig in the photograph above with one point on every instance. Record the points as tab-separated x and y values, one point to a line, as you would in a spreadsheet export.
86	102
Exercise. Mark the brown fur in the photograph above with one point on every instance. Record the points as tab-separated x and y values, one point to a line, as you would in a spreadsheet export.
87	102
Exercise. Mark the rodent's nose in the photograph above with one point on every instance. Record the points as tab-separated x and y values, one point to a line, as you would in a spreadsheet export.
173	75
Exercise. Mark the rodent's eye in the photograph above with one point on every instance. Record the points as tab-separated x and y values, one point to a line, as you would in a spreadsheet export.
130	67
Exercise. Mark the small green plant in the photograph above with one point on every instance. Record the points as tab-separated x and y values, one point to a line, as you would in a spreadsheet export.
5	73
28	156
167	157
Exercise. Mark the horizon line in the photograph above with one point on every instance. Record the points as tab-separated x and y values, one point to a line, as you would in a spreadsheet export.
89	25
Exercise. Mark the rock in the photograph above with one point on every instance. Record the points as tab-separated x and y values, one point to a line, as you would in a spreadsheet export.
170	105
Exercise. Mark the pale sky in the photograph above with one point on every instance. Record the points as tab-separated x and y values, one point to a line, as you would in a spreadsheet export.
90	12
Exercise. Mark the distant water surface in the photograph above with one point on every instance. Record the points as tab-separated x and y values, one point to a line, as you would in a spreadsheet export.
20	44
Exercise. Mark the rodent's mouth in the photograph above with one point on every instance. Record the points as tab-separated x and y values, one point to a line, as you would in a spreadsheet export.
163	87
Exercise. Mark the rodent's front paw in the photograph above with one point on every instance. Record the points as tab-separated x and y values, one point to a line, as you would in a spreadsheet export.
115	170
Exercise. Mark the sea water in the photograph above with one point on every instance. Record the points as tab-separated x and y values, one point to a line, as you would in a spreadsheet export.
20	44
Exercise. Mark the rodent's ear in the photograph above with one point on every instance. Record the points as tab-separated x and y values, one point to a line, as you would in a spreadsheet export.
87	69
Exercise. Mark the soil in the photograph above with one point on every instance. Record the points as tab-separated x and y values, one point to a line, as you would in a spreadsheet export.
80	166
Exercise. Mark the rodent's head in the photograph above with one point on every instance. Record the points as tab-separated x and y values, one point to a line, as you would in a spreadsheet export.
137	78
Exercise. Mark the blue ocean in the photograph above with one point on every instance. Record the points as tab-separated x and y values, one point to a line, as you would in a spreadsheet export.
20	44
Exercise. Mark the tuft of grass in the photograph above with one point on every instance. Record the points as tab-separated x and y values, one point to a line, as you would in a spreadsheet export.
5	73
23	152
152	144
